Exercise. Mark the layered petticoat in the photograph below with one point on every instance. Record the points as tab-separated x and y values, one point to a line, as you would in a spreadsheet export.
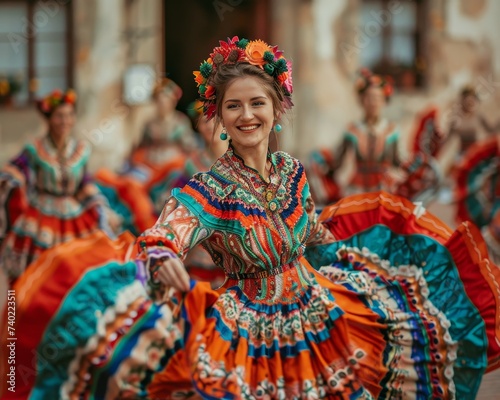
410	254
128	198
46	221
399	307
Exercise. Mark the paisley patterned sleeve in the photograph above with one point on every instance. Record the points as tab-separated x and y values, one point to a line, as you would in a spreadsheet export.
176	231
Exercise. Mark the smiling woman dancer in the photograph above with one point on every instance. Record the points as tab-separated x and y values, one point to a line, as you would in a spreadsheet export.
277	327
411	315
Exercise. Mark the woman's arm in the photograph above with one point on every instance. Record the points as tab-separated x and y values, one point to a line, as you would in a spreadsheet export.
166	244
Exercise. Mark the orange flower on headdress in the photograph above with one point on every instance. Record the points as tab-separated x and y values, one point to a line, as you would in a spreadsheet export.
198	78
255	52
70	96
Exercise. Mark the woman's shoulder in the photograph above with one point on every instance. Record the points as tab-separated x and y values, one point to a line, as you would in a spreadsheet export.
34	147
287	163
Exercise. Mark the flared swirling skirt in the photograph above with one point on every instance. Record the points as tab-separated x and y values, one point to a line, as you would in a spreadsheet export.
437	291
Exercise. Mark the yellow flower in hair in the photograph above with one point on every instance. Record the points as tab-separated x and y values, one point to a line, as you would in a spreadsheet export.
255	52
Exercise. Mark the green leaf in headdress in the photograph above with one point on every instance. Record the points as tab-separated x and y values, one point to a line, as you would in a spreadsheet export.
242	43
206	69
269	68
281	65
269	56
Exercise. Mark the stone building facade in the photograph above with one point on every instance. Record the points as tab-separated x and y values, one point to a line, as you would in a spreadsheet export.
327	40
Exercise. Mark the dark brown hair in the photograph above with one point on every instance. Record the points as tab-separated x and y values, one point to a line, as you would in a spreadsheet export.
227	73
469	91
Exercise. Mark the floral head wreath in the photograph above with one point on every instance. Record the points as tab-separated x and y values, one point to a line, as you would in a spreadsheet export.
166	85
368	79
54	99
254	52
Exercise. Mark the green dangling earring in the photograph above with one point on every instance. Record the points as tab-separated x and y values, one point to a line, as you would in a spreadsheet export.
223	134
277	128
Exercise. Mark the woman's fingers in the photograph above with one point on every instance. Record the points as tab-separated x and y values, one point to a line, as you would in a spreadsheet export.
172	273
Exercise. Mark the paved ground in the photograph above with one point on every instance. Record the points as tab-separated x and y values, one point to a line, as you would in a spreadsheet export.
490	387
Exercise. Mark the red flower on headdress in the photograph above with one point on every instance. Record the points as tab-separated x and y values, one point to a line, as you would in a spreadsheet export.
209	92
56	94
277	52
44	106
226	49
210	110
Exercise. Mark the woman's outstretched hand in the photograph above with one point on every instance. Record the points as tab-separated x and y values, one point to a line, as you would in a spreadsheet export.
172	273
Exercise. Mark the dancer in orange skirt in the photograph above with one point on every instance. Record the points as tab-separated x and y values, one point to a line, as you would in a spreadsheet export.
49	197
277	328
375	298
